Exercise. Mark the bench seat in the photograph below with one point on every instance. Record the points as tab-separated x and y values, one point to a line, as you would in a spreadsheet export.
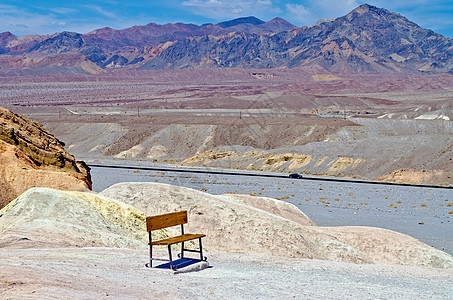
178	239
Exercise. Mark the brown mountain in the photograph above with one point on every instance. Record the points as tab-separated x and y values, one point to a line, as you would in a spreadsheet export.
110	48
10	44
368	39
5	39
255	25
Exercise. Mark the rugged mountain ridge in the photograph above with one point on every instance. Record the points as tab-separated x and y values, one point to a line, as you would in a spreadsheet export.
368	39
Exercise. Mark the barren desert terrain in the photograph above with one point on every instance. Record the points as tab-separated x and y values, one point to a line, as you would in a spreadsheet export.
386	127
93	245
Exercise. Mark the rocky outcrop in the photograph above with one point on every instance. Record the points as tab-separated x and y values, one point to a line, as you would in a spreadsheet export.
48	218
43	217
411	176
30	156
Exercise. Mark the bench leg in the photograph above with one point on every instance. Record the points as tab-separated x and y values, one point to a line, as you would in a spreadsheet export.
150	238
169	255
150	256
182	250
201	249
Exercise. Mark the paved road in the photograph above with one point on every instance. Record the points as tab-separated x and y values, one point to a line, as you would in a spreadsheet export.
419	211
258	174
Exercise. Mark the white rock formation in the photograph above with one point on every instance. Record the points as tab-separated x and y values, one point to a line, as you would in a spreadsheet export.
232	226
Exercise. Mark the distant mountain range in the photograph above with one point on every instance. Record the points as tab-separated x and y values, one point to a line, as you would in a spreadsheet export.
367	40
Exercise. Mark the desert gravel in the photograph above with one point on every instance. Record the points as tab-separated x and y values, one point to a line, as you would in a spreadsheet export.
104	273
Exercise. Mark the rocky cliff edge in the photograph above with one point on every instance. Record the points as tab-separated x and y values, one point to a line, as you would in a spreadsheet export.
30	156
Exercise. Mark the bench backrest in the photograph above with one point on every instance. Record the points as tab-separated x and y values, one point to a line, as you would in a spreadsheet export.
166	220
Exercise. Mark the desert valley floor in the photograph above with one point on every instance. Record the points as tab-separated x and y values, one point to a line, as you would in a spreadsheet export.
394	128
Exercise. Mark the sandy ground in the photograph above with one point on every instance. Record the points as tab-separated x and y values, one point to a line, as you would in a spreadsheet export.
104	273
44	255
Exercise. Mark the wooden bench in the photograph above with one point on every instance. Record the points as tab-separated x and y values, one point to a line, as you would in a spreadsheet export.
170	220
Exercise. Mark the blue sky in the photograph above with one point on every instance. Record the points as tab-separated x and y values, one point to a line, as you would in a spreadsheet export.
23	17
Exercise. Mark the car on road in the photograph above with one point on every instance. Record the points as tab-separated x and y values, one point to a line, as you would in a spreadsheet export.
298	176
